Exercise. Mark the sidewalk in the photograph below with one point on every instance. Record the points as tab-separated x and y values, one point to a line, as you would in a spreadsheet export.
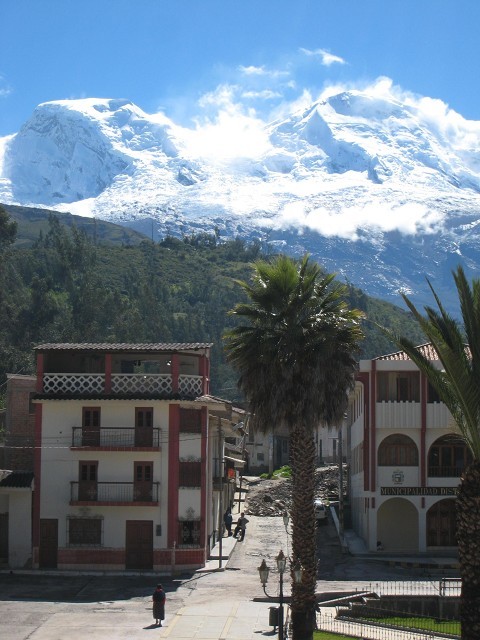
228	615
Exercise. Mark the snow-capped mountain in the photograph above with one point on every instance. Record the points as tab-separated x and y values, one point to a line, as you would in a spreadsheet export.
375	189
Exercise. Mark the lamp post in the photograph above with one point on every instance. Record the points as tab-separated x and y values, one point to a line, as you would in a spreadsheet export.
264	570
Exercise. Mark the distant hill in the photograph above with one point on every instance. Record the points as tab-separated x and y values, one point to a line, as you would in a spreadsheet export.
32	221
96	282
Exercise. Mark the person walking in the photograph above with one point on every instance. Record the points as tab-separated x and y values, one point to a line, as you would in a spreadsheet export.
241	526
159	598
228	519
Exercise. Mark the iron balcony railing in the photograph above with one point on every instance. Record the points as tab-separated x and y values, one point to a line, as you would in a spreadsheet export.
116	437
445	471
114	492
122	384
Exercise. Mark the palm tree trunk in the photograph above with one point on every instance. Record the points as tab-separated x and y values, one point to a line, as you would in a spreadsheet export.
302	458
468	539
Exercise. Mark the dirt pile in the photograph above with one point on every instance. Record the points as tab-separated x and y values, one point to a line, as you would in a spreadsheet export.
273	496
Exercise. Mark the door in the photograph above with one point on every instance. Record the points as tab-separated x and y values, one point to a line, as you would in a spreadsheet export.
47	557
143	481
143	426
139	545
441	524
87	485
91	427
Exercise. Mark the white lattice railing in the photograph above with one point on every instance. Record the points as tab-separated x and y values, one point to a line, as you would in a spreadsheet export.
122	384
139	383
190	385
73	383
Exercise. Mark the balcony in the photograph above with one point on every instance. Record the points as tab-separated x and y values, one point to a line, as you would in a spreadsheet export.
445	471
122	385
398	415
114	493
116	438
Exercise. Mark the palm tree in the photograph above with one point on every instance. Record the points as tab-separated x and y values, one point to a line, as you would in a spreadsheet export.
294	355
458	384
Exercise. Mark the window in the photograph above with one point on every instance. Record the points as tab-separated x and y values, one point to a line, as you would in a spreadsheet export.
143	426
144	417
84	531
143	482
91	426
190	474
396	386
398	451
448	457
432	395
190	421
189	532
87	486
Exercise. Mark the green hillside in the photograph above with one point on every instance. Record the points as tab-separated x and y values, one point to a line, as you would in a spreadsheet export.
72	279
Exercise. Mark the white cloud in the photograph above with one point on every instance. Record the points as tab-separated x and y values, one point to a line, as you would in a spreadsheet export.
266	94
252	70
326	58
408	219
5	89
228	130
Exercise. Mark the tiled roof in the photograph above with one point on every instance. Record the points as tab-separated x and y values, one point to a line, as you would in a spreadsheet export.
123	346
426	350
16	479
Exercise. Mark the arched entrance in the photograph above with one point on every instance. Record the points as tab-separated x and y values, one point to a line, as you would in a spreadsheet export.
397	525
441	524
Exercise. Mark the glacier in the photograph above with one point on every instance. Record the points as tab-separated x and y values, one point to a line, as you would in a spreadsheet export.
372	187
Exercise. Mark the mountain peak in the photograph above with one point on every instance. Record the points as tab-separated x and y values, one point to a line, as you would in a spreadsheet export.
348	179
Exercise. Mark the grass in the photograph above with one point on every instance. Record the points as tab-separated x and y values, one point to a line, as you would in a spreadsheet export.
450	627
326	635
426	624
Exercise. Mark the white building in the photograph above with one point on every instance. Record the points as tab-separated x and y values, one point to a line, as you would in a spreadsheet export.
405	456
125	457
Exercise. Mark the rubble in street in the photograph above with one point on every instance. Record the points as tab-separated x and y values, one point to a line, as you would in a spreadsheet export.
272	497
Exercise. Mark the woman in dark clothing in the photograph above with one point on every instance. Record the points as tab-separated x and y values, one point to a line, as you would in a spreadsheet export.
158	598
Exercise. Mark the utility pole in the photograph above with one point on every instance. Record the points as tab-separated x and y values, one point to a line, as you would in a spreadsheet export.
220	502
340	484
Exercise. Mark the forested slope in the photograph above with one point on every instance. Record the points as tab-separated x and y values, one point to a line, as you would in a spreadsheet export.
68	284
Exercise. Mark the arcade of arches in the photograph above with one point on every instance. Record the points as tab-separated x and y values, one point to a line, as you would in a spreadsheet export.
447	458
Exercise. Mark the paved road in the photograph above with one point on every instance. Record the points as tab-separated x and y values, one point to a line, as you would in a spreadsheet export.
217	604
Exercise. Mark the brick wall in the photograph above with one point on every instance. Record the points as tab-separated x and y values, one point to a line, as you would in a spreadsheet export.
20	423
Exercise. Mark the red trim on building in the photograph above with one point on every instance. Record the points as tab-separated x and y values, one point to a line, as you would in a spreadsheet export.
204	372
175	372
364	379
423	431
203	494
40	366
173	472
108	373
37	468
373	426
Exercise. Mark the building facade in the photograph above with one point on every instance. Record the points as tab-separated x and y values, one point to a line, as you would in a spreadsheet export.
123	462
405	456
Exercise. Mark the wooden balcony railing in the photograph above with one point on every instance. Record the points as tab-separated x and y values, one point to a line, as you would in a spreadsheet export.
118	437
114	492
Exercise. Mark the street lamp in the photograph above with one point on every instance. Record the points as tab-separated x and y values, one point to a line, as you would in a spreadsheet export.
264	570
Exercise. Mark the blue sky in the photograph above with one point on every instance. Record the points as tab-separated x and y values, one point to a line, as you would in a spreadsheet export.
201	60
